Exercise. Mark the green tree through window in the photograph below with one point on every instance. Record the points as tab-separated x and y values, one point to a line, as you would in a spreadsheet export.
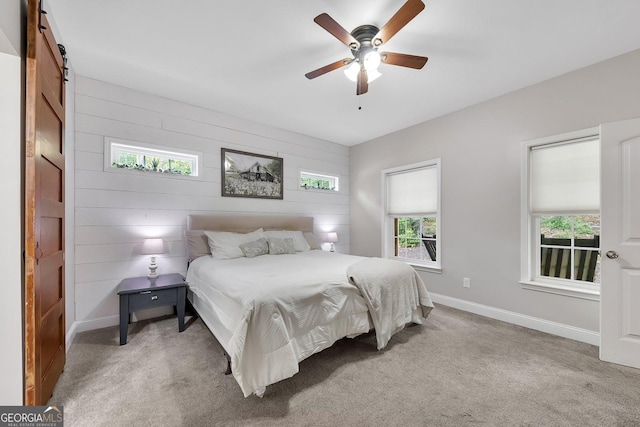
415	238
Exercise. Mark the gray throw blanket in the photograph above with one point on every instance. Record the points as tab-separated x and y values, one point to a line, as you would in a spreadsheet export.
392	290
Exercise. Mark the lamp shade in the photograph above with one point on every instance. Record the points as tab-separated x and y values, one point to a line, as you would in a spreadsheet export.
372	75
153	247
332	237
352	71
372	61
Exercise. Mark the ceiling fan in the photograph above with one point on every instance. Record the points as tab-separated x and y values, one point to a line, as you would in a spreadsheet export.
364	42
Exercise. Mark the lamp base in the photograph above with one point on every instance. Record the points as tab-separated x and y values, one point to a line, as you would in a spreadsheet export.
153	273
332	248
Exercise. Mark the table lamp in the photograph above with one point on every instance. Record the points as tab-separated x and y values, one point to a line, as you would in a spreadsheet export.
332	238
153	247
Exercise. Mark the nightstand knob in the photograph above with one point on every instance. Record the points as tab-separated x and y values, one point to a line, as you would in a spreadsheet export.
154	297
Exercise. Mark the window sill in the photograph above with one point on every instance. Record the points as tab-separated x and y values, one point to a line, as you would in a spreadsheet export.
137	172
319	190
423	267
429	268
426	268
559	289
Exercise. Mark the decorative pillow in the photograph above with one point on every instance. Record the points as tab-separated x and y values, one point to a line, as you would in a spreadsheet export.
197	244
299	242
226	245
279	246
312	241
255	248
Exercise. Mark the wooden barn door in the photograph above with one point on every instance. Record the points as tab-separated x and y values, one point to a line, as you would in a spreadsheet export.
44	321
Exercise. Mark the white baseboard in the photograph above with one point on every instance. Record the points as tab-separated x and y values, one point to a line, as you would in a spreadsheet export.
566	331
88	325
105	322
70	335
562	330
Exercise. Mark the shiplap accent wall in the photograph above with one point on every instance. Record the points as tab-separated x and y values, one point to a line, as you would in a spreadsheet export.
114	211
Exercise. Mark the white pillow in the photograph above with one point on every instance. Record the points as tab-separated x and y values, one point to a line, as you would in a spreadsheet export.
299	242
226	245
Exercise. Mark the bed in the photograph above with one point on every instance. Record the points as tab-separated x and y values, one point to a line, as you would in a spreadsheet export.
270	312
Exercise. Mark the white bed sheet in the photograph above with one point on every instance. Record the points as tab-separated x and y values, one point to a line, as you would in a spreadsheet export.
278	310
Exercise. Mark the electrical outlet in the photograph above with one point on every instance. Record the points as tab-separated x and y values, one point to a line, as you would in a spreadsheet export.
466	282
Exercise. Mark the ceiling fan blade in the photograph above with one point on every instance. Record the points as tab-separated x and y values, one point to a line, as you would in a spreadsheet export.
324	70
402	17
403	60
329	24
362	86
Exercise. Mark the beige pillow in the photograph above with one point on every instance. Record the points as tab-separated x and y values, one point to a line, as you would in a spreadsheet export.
312	241
197	244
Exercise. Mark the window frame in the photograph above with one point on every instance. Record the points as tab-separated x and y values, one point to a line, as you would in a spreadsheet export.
335	179
113	145
388	221
530	242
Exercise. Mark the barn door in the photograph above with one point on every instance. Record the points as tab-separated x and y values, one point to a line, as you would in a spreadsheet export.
44	321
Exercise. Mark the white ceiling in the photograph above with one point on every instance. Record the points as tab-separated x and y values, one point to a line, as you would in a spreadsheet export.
248	58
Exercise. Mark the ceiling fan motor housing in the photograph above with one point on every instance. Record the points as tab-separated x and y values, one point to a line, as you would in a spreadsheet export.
364	34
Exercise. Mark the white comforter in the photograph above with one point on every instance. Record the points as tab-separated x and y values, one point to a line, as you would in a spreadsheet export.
292	306
284	308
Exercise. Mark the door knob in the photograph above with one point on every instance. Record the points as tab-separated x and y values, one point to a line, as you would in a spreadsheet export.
612	254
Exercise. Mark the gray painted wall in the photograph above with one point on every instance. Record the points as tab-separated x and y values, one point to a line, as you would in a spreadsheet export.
11	25
12	51
480	151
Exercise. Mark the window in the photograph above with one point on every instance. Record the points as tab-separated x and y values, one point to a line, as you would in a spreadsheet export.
561	214
411	215
317	181
569	247
135	156
415	238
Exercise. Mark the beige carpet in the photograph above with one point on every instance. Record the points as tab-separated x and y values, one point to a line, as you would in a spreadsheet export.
457	369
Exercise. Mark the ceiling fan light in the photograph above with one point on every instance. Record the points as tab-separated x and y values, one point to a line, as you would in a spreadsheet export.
352	71
372	61
372	75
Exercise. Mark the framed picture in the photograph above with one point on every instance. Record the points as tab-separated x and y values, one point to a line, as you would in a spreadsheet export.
251	175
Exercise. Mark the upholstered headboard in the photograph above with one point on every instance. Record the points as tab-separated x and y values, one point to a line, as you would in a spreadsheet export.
196	240
246	224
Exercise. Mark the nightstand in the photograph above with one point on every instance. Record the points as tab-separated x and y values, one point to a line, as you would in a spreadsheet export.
141	292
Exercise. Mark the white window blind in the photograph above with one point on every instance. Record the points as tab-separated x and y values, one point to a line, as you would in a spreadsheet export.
413	192
565	178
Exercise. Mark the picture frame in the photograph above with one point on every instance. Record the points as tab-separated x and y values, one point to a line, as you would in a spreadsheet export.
251	175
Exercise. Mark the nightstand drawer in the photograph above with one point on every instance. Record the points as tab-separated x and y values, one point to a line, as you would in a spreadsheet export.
152	298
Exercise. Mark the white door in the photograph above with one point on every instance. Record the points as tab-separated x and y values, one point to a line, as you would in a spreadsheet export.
620	243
